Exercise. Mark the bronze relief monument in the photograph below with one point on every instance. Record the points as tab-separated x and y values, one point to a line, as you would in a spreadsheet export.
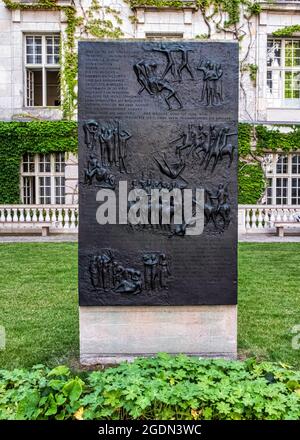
159	116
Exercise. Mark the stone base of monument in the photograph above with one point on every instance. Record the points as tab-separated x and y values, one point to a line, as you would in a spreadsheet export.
110	335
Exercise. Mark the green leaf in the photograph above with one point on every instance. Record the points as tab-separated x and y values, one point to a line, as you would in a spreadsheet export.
38	367
73	389
293	385
60	399
28	405
61	370
52	406
60	416
56	384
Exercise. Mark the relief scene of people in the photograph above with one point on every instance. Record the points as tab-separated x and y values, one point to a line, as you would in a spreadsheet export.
209	146
158	77
149	183
216	207
108	274
107	146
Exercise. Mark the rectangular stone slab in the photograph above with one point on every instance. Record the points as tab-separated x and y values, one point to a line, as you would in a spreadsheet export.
113	334
158	115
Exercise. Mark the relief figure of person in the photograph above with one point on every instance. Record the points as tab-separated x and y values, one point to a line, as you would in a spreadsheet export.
184	62
164	271
90	129
107	146
94	272
123	138
170	60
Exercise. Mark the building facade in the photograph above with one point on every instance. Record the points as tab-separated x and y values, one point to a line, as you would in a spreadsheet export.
38	40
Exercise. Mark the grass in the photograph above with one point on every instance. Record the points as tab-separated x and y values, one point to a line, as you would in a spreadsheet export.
39	308
269	300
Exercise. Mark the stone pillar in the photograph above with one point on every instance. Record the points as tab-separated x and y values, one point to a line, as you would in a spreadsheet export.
6	82
242	220
71	176
262	71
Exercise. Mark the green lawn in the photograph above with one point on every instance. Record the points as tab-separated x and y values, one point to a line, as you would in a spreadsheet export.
269	300
38	292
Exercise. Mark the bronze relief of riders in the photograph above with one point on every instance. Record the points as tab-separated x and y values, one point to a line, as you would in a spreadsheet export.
161	81
217	207
208	146
107	147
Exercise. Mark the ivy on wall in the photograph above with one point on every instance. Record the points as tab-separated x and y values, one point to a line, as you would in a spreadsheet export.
17	138
252	182
177	4
253	69
274	140
39	5
244	138
287	31
231	7
68	57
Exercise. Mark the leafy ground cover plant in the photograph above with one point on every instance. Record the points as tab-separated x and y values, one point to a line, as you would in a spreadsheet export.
163	387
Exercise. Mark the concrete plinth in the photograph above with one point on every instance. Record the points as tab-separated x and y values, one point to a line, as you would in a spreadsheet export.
112	334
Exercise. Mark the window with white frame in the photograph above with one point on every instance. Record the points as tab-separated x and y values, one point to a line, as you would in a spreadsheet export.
42	70
283	72
43	179
283	175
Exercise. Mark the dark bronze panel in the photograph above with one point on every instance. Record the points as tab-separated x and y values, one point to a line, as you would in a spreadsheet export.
159	115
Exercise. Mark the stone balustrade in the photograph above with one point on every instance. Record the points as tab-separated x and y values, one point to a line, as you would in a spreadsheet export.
64	218
30	218
261	218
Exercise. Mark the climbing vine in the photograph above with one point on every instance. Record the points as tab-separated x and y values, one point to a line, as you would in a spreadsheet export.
251	180
253	69
100	21
17	138
254	142
234	10
244	138
274	140
287	31
177	4
68	77
210	8
39	5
